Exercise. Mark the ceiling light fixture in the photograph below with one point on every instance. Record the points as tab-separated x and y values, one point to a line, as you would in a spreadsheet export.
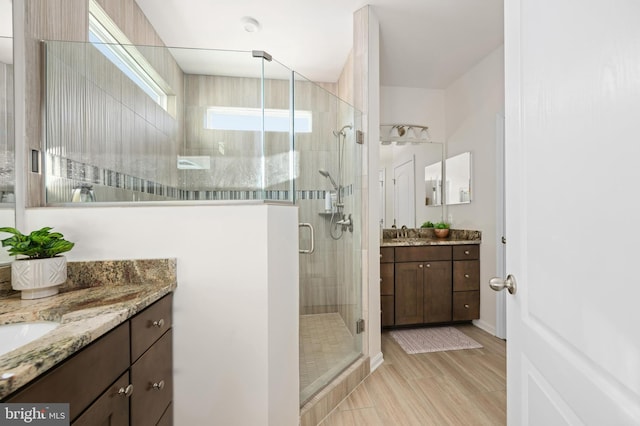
250	25
404	133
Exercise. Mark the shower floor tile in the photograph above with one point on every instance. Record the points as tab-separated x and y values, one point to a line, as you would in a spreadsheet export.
326	348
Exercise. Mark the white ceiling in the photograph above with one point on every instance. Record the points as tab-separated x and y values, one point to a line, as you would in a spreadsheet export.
424	43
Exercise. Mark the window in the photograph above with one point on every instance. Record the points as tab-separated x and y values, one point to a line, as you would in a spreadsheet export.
275	120
110	41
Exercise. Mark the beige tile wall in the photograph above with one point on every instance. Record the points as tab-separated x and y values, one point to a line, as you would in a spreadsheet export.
98	116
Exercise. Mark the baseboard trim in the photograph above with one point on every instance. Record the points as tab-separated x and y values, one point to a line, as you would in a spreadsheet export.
376	361
485	326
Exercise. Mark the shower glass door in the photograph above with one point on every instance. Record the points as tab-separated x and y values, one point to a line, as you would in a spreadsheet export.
328	193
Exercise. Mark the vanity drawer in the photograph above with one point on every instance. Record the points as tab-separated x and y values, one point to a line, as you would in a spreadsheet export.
149	325
422	254
469	251
466	275
466	305
386	279
149	402
386	254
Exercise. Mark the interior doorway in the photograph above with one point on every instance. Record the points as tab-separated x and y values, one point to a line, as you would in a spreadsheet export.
404	204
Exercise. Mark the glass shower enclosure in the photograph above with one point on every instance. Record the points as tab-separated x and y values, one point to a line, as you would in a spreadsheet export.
328	195
227	126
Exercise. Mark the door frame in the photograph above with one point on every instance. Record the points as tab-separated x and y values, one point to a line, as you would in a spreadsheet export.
501	298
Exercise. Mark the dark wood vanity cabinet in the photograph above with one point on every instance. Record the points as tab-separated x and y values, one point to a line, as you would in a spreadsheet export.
466	282
423	285
431	284
123	378
387	284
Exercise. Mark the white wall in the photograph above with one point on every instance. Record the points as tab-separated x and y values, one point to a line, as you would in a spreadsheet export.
407	105
236	306
471	105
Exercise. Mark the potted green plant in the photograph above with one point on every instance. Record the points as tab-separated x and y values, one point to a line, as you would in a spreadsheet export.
39	268
427	224
441	229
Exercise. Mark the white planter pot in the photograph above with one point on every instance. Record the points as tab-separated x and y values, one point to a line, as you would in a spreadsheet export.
37	278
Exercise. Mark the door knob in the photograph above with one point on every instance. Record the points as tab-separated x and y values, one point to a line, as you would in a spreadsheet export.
498	284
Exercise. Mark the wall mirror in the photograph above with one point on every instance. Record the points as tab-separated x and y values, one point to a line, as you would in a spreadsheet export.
457	184
403	176
7	143
433	184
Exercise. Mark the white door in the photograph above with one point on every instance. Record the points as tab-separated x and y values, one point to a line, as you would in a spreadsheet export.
404	194
572	211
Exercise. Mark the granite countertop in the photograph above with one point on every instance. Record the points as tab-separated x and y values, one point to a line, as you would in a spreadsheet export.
426	237
97	297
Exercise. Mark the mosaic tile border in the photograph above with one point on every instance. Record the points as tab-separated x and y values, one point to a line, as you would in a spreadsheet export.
78	171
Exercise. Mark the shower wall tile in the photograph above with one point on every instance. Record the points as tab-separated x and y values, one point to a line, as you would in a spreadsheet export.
7	145
68	20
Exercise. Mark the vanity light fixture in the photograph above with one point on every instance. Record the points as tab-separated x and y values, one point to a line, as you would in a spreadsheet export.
401	134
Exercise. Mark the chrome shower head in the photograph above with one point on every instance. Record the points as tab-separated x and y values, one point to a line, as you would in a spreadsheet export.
341	131
326	174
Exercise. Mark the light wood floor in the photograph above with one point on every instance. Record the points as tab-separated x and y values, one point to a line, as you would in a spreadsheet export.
464	388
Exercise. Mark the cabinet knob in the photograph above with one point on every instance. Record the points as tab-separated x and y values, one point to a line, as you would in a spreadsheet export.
159	323
467	252
159	385
428	265
466	306
380	255
126	391
380	279
420	265
466	275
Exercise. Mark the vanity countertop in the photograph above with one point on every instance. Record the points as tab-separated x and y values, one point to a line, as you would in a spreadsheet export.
405	242
426	237
97	297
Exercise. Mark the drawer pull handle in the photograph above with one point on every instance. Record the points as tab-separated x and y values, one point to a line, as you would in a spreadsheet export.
159	323
467	252
466	306
466	275
159	385
126	391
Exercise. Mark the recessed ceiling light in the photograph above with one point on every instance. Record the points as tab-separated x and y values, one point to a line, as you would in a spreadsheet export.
250	25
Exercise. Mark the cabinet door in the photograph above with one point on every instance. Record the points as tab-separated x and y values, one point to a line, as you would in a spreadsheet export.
83	377
409	292
386	279
387	317
111	409
437	291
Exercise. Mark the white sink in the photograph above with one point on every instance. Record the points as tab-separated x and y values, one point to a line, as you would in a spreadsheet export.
12	336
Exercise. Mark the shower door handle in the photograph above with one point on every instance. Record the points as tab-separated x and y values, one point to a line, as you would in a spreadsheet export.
313	238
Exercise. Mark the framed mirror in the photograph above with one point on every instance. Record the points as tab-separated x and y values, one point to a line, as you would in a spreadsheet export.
457	184
7	128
